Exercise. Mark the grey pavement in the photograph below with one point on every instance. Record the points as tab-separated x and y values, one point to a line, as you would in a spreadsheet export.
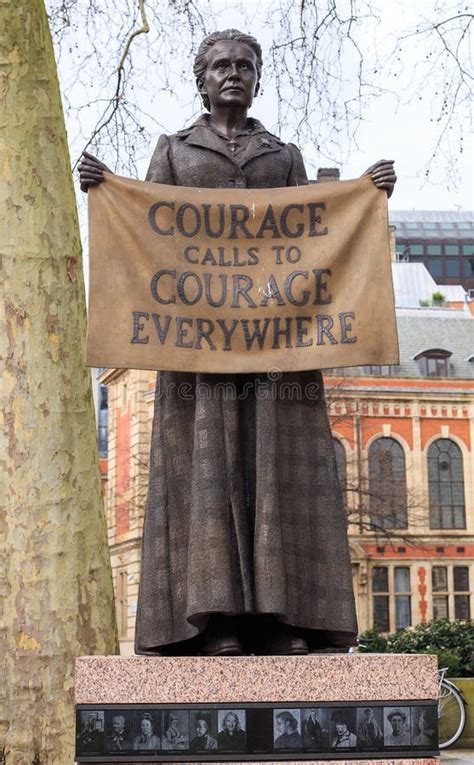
457	757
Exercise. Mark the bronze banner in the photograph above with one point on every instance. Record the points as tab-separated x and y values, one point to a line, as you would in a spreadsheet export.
217	280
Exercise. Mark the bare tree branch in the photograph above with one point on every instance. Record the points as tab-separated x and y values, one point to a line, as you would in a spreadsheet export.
321	60
114	104
447	63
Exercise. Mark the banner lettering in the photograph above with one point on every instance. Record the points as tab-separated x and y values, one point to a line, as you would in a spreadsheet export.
217	280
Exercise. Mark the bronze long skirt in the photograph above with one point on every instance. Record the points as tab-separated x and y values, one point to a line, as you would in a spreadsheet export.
244	512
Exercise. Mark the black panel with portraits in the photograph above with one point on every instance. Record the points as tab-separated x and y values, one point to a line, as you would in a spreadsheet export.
236	732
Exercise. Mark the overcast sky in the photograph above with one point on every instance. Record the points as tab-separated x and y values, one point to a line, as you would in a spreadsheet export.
390	128
393	130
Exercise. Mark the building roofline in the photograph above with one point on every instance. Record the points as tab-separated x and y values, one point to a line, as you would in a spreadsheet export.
110	375
437	216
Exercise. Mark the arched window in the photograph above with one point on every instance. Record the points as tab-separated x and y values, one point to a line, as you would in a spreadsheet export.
446	485
387	484
341	464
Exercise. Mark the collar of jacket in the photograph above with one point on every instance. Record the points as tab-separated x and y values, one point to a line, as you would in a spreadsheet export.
260	140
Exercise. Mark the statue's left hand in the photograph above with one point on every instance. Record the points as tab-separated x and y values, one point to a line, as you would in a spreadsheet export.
383	175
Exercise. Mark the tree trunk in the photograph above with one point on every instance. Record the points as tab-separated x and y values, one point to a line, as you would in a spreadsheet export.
56	595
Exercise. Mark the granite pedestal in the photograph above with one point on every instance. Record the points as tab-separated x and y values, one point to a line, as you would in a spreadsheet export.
257	689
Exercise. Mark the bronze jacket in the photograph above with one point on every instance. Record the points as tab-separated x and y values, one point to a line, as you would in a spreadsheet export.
198	156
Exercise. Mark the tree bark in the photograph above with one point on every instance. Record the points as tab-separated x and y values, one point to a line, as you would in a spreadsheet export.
56	594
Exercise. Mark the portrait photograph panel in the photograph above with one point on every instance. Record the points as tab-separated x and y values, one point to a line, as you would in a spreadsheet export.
424	727
231	736
203	730
343	735
397	728
287	730
90	732
369	729
175	730
315	729
259	730
118	732
147	731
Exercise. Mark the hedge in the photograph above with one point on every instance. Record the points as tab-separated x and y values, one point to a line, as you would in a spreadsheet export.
451	641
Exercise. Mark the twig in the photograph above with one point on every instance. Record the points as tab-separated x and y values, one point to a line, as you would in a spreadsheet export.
114	103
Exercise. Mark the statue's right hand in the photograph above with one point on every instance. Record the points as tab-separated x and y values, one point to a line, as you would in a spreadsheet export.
91	171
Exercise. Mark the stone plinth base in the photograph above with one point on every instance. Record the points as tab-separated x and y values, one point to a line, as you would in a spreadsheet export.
200	680
257	689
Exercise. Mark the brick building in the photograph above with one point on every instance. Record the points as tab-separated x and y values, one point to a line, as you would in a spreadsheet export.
404	440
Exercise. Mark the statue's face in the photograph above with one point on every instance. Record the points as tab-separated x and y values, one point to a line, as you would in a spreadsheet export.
231	75
341	728
201	727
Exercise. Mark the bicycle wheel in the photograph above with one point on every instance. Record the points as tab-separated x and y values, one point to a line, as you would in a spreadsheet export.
451	714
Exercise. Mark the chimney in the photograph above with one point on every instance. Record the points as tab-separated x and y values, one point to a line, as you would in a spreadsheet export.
328	174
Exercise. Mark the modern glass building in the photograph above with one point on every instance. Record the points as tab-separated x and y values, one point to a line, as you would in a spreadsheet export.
442	240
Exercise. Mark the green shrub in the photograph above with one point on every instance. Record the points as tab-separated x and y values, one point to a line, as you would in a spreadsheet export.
448	660
452	642
373	641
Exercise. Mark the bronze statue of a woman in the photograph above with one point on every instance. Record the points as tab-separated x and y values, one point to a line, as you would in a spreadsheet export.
245	543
